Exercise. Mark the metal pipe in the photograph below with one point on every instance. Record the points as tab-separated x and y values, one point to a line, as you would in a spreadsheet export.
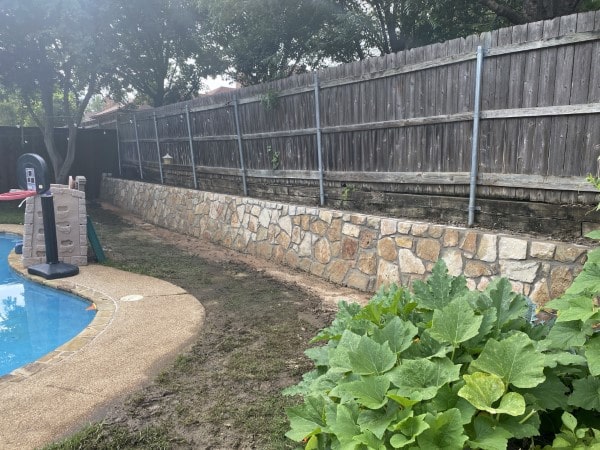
162	180
118	146
475	138
240	145
319	145
187	114
137	142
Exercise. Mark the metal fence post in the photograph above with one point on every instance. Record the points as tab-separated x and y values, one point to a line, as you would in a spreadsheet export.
118	146
137	142
240	146
475	138
187	115
162	180
319	146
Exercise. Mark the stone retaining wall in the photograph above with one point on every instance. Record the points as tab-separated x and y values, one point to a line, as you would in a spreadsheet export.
352	249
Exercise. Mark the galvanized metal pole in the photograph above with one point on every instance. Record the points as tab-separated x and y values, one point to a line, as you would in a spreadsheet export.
162	180
475	138
319	146
137	142
118	146
187	115
240	146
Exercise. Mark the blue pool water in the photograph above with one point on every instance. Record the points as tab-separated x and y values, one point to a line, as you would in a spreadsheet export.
34	319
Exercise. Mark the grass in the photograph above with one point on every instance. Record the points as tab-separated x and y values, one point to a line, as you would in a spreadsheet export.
226	391
10	213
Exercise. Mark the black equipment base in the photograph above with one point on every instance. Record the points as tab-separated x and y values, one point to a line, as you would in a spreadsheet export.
53	271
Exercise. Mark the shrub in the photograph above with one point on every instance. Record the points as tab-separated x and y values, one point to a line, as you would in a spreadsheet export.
445	367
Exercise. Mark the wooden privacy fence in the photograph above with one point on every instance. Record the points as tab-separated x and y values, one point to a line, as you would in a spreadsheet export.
379	130
95	153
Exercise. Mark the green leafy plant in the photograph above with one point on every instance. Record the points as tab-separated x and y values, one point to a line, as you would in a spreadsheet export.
275	157
270	100
445	367
347	191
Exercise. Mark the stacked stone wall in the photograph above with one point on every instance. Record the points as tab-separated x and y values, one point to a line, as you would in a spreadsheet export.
352	249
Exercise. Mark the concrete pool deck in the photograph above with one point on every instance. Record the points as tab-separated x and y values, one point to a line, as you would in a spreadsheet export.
126	344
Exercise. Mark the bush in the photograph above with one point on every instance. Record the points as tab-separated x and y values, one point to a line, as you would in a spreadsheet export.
444	367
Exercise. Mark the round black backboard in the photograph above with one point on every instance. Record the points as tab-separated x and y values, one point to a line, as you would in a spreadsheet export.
32	173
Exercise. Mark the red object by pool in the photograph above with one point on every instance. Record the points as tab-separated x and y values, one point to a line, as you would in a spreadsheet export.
16	194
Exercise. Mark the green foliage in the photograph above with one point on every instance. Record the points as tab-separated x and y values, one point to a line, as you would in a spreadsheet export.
444	367
275	157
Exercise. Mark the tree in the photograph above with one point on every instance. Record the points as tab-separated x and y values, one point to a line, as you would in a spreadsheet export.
523	11
263	40
162	51
50	47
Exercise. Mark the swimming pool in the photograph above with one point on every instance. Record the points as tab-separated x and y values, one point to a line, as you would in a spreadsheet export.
34	319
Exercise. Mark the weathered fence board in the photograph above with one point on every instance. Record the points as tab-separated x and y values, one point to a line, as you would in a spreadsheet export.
405	113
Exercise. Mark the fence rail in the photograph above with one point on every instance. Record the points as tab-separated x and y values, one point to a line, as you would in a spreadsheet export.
404	119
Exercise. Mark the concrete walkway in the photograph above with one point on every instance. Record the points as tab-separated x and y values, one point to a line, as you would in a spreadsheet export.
142	323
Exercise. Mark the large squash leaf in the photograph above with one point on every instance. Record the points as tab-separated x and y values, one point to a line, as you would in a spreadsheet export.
308	419
420	379
397	333
368	391
586	393
445	432
455	323
514	360
439	289
371	358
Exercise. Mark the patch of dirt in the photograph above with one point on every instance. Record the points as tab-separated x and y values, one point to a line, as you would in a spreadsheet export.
226	392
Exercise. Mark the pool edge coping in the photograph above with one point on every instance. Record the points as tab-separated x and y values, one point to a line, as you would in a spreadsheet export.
104	304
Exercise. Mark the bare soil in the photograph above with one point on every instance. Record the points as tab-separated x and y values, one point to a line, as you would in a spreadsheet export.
225	393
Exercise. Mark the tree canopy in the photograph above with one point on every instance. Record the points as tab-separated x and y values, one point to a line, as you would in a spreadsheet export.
51	47
163	52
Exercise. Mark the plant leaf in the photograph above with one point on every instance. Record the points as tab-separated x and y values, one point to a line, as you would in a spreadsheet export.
409	428
420	379
339	359
308	419
371	358
549	395
565	335
346	311
368	391
592	353
445	431
488	435
378	421
587	281
482	390
520	430
455	323
370	440
573	307
509	305
586	393
439	289
397	333
319	355
342	423
513	359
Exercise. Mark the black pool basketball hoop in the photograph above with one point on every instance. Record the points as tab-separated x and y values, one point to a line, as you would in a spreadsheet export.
32	174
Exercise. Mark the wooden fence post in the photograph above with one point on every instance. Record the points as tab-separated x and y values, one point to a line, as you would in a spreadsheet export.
162	180
187	115
137	143
240	146
319	146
